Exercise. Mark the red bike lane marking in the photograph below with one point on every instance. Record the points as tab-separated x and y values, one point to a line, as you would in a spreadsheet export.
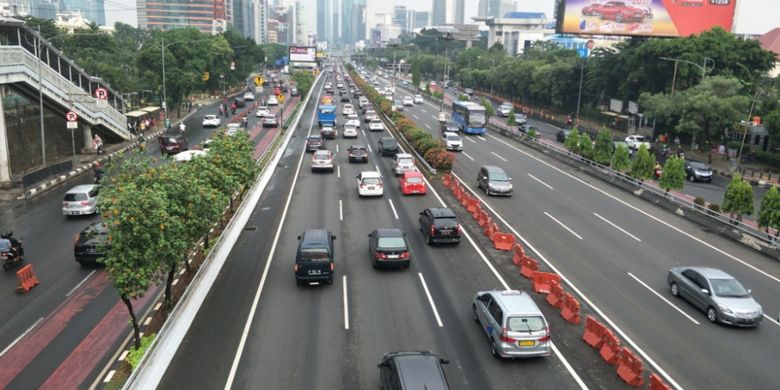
75	369
265	141
28	348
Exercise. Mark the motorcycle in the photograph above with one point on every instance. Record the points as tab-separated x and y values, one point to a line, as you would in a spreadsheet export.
15	255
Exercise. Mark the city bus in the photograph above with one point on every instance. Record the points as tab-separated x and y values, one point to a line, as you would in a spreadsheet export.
326	112
469	116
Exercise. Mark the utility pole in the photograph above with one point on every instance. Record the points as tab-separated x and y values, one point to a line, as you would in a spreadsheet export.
38	50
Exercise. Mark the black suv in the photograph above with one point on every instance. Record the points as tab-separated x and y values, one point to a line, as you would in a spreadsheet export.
314	260
439	225
388	146
412	370
90	244
450	126
315	142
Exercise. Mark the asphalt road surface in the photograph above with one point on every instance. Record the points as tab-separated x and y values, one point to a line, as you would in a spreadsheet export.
616	250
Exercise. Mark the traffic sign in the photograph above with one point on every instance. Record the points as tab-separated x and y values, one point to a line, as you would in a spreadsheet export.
71	116
72	125
101	93
259	80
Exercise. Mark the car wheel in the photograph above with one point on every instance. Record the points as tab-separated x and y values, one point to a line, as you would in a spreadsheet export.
428	239
712	315
493	349
675	289
474	312
691	178
330	280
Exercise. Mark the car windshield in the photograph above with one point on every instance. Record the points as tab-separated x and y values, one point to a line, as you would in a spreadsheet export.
640	139
391	242
477	119
699	165
388	142
414	180
728	288
525	324
498	176
314	254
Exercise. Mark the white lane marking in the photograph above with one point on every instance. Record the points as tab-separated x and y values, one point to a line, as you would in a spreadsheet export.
575	289
337	148
430	299
467	155
369	148
543	183
470	140
363	131
428	126
618	227
123	355
416	117
495	154
393	207
346	308
772	319
21	336
338	171
377	169
148	321
481	138
109	376
341	211
501	280
662	298
435	118
562	225
157	306
667	224
248	324
80	283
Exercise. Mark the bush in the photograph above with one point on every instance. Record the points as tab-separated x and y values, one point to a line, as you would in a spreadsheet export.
714	207
533	133
425	144
135	355
699	201
404	124
771	159
440	159
438	95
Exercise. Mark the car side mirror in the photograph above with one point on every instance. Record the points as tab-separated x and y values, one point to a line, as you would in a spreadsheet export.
484	177
422	213
444	361
333	237
381	365
299	237
749	291
510	179
705	291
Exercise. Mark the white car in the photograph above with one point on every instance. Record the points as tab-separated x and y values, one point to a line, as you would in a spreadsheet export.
452	141
211	120
376	125
418	99
322	159
353	120
403	162
350	131
370	115
348	109
263	111
249	96
188	155
636	141
370	184
362	101
408	101
272	101
232	129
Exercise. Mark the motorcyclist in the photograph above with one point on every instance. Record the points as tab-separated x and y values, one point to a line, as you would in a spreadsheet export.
16	245
97	171
244	122
182	127
233	107
657	171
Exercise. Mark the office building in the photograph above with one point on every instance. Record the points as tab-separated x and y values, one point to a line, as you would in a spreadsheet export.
402	18
495	8
421	19
516	31
325	20
448	12
205	15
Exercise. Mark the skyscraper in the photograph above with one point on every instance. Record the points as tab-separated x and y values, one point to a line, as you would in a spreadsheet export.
92	10
325	21
448	12
347	27
204	15
421	19
495	8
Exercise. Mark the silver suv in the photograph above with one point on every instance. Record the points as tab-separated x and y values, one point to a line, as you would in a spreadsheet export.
513	323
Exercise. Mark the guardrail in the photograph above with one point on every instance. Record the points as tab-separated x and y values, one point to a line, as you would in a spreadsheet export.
717	222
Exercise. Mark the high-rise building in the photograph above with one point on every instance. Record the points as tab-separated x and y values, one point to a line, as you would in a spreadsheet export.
325	20
205	15
448	12
378	12
92	10
495	8
402	18
421	19
260	22
347	30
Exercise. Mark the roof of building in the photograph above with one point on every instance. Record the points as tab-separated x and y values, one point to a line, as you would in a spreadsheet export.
771	40
524	15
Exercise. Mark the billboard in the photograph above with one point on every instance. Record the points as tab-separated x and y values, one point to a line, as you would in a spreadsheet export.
303	54
664	18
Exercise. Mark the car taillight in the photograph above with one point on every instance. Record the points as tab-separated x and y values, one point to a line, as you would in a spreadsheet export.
295	268
78	236
547	335
332	266
433	229
505	338
380	256
380	185
405	255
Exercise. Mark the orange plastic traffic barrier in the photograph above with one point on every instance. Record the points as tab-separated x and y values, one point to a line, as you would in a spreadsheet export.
503	241
472	205
517	258
594	332
542	281
610	349
457	191
27	279
454	183
570	309
529	267
465	199
490	229
555	297
656	383
446	179
482	218
630	368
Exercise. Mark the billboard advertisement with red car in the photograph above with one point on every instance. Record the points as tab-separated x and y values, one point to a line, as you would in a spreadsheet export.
664	18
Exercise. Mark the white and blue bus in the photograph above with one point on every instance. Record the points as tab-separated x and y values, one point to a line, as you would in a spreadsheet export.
469	116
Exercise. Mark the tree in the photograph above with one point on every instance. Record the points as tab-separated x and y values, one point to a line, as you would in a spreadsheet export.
416	78
511	119
604	148
621	159
769	216
303	81
572	142
673	176
643	165
489	110
586	146
738	199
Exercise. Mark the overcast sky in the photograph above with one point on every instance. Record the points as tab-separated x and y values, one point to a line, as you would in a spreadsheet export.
752	16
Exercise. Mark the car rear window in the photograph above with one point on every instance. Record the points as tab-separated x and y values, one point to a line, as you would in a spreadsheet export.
314	254
414	180
452	137
498	176
525	324
391	242
405	160
371	180
75	196
322	156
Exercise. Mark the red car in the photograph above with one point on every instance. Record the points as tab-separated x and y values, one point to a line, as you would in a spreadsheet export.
591	10
620	12
411	183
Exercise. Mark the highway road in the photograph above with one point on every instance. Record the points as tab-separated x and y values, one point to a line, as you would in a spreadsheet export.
45	331
616	249
257	328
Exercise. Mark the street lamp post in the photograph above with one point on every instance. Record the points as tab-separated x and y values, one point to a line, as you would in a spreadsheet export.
703	67
38	54
392	80
447	37
579	93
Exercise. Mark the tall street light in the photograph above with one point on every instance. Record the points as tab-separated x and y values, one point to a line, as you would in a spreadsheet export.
579	93
703	67
750	112
392	80
447	38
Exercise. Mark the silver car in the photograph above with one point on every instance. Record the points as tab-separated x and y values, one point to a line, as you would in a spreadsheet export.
716	293
514	325
81	200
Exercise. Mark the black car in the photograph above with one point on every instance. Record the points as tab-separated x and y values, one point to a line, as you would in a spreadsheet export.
439	225
412	370
697	171
450	126
562	135
388	248
357	94
284	88
314	142
388	146
239	101
90	244
172	143
357	153
328	132
315	258
345	98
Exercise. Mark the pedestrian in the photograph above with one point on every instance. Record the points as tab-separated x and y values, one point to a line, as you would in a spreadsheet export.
677	141
97	144
142	126
722	150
